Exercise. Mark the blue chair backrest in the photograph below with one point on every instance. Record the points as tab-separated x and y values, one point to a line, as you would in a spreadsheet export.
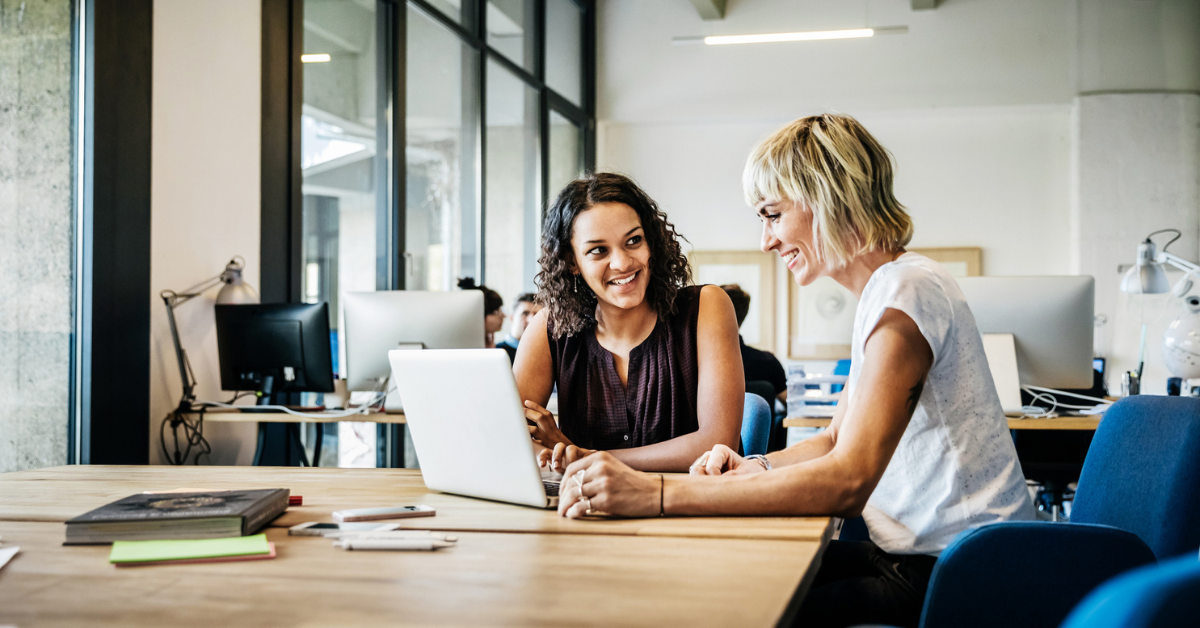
1027	573
1165	595
841	368
756	425
1142	473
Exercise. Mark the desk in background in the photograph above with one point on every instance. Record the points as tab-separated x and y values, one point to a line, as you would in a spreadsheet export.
512	565
1059	423
229	415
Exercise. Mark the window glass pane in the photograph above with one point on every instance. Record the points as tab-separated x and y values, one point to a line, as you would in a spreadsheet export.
441	157
564	49
566	154
338	160
456	10
512	220
510	30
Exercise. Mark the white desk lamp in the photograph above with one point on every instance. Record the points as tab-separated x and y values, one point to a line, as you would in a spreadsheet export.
234	291
1147	277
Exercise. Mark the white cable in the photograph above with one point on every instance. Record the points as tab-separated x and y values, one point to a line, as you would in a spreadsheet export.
1069	394
363	409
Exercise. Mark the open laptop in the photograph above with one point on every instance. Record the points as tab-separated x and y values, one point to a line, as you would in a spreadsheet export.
468	425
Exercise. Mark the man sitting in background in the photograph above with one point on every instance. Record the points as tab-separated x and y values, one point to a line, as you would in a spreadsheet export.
764	373
526	306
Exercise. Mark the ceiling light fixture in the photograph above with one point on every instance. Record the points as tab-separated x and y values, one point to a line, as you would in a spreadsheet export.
315	58
724	40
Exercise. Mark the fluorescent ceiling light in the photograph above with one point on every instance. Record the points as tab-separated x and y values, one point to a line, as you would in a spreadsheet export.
315	58
724	40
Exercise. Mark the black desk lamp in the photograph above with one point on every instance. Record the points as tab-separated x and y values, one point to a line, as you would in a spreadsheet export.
234	290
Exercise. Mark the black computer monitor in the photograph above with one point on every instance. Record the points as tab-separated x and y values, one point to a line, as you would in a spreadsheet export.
275	348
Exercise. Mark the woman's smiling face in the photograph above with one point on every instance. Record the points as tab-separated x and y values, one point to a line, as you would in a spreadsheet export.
611	254
788	230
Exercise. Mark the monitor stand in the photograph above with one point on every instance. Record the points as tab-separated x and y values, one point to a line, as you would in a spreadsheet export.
278	443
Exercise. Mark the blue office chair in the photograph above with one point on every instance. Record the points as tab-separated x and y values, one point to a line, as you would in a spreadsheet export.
1025	573
756	425
1165	595
1142	473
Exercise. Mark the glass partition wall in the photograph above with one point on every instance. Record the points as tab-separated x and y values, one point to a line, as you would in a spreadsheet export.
493	101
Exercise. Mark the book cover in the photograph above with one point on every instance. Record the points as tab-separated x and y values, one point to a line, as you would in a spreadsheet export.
174	515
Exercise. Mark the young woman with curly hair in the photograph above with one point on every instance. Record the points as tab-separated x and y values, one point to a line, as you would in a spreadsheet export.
647	366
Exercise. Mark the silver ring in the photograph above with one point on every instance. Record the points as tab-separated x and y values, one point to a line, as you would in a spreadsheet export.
587	502
578	478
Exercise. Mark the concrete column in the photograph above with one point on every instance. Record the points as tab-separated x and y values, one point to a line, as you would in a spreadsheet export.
35	232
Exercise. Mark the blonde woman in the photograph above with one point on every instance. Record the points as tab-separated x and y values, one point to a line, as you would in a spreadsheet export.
918	446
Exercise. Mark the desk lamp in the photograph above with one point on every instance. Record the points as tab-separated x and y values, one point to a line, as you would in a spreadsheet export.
1147	277
234	290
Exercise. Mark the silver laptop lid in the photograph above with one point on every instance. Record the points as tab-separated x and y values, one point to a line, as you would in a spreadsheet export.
467	424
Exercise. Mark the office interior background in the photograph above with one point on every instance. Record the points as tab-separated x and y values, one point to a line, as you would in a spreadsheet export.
1053	135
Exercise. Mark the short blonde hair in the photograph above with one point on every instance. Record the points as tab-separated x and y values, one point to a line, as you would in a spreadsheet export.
835	167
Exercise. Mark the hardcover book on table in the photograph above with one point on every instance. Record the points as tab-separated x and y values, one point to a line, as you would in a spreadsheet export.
201	515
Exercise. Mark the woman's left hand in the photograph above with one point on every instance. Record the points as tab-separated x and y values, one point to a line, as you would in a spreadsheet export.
546	431
601	483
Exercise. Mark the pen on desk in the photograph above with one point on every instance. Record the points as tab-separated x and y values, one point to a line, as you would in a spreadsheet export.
391	535
391	544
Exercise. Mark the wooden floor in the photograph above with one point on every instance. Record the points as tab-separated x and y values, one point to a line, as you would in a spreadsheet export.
512	566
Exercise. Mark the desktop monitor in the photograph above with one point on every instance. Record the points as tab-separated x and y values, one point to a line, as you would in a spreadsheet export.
1050	318
378	322
275	348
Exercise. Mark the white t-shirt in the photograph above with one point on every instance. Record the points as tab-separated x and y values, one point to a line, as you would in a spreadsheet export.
955	467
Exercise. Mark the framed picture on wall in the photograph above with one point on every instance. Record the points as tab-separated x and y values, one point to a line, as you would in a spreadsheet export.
820	320
821	315
963	261
754	272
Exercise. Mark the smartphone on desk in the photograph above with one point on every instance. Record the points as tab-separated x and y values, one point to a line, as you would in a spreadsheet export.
389	512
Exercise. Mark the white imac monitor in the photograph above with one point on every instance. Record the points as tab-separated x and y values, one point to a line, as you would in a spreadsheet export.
378	322
1051	319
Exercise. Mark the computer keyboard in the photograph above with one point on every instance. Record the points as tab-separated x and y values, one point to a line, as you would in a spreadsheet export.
551	487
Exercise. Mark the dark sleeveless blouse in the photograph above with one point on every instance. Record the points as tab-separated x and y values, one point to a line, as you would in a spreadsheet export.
657	404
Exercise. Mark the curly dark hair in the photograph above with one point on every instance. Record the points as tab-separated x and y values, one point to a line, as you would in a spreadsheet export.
571	312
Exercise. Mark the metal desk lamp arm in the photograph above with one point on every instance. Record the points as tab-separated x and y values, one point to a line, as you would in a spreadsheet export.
173	300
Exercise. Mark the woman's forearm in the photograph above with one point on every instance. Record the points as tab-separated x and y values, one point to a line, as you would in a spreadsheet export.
676	454
825	487
809	449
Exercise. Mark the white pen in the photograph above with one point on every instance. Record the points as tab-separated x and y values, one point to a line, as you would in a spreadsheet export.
392	535
392	544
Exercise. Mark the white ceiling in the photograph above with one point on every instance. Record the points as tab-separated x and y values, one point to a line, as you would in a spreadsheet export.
966	53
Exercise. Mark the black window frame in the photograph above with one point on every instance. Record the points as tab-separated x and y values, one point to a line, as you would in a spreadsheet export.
282	80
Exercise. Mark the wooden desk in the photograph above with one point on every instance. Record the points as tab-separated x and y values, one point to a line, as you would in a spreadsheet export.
60	493
229	415
1059	423
553	572
487	580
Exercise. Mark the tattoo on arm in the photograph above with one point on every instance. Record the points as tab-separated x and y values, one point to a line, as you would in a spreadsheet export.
914	395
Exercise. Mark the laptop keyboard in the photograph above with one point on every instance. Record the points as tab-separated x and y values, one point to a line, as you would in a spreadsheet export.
551	487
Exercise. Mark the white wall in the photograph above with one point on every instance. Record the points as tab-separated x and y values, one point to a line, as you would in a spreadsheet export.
976	102
204	189
1138	171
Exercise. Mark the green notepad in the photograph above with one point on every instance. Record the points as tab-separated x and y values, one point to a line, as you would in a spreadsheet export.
145	551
